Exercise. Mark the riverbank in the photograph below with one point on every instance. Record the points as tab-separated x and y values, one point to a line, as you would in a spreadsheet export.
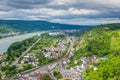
6	42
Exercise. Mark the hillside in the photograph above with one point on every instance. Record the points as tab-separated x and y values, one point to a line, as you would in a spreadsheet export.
100	41
6	29
103	41
30	26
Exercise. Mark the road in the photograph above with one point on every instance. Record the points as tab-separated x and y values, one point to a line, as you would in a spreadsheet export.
45	67
17	59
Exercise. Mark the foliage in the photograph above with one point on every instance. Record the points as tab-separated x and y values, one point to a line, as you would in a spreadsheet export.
57	74
27	67
100	41
16	49
42	60
107	70
9	70
46	77
68	79
45	42
12	70
103	40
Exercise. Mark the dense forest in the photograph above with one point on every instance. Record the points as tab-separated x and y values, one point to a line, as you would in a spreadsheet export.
31	26
103	41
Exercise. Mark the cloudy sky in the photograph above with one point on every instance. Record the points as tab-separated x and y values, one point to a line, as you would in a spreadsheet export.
62	11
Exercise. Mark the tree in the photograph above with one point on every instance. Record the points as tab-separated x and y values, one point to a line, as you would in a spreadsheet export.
46	77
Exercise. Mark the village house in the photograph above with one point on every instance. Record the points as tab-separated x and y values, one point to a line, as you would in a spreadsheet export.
94	59
33	76
71	74
1	57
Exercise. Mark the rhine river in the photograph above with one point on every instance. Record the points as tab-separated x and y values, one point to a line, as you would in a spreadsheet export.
6	42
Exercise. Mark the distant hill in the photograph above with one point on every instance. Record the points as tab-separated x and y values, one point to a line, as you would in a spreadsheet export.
6	29
30	26
103	41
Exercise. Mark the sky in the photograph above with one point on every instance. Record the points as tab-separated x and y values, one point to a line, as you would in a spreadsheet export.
80	12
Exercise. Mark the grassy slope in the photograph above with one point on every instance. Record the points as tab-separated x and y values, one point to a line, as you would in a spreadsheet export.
102	41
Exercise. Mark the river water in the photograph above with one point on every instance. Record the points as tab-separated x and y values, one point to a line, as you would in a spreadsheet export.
6	42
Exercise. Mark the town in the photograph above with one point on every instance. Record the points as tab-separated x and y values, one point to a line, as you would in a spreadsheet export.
52	60
2	35
58	70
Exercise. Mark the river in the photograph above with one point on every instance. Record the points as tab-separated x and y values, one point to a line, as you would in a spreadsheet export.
6	42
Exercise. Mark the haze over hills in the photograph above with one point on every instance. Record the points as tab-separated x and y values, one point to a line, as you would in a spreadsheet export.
35	25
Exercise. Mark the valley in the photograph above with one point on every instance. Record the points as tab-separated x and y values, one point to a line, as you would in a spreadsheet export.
66	54
59	39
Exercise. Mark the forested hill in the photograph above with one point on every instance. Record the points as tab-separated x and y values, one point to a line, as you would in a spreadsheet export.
29	26
100	40
103	41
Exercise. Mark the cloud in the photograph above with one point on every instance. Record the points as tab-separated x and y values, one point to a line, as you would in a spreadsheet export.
63	2
72	11
47	13
25	4
83	11
60	12
88	3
